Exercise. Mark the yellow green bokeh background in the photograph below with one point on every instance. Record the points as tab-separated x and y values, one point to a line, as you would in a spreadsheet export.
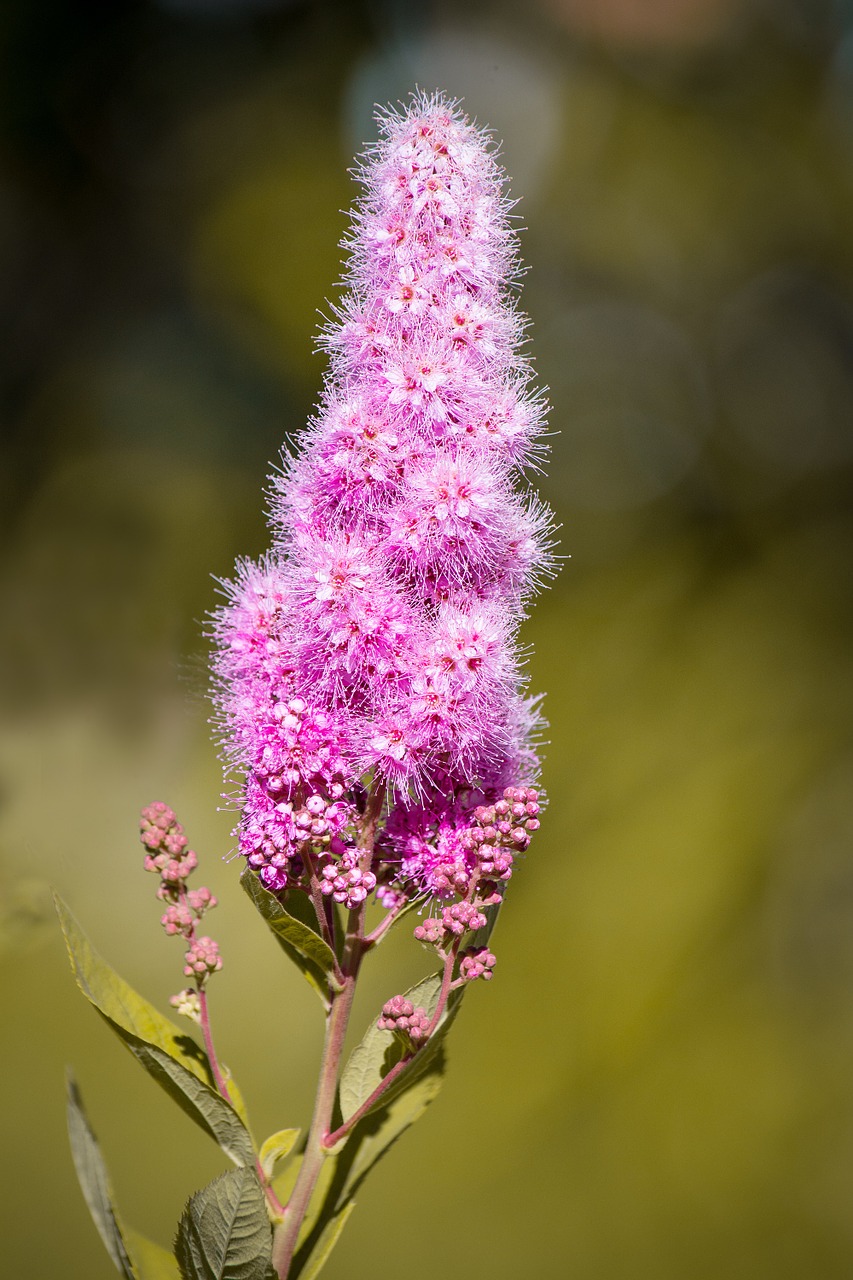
659	1082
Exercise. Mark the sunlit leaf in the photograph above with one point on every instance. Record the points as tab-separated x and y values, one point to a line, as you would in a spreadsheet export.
224	1233
326	1242
378	1131
170	1056
150	1260
312	956
277	1147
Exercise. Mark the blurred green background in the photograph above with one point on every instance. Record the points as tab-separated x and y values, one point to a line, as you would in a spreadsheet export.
660	1081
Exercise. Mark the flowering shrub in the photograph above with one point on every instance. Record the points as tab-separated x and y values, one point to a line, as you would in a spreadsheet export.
371	706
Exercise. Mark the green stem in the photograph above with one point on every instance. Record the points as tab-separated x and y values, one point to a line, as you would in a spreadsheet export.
318	900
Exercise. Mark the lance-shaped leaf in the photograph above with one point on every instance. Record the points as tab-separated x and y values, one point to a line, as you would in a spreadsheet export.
201	1102
328	1238
300	943
378	1131
170	1056
224	1233
379	1051
94	1181
135	1257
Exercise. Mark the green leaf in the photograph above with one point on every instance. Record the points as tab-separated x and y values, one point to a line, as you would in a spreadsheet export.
225	1233
201	1103
171	1057
94	1181
326	1242
136	1257
277	1147
379	1051
150	1261
308	951
378	1131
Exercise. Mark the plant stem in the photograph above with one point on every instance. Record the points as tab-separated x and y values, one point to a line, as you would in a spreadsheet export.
332	1139
286	1233
318	901
384	925
449	962
372	812
207	1034
275	1204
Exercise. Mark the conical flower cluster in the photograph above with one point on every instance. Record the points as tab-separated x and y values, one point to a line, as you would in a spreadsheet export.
373	648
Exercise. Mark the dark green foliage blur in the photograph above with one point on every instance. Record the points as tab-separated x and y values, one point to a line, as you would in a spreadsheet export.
658	1084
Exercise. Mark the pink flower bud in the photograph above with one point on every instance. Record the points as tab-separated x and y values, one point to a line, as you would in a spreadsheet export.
476	963
202	959
177	919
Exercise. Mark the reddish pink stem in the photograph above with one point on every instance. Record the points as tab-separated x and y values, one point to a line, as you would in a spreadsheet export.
331	1140
383	926
286	1234
218	1076
220	1080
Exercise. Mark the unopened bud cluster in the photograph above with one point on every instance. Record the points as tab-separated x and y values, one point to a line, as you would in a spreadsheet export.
476	962
504	827
452	923
346	881
167	854
407	1020
472	868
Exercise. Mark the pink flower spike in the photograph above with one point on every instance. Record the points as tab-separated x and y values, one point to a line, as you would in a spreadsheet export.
375	644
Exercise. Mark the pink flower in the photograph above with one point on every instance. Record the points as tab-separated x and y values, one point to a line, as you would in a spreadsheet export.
376	641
